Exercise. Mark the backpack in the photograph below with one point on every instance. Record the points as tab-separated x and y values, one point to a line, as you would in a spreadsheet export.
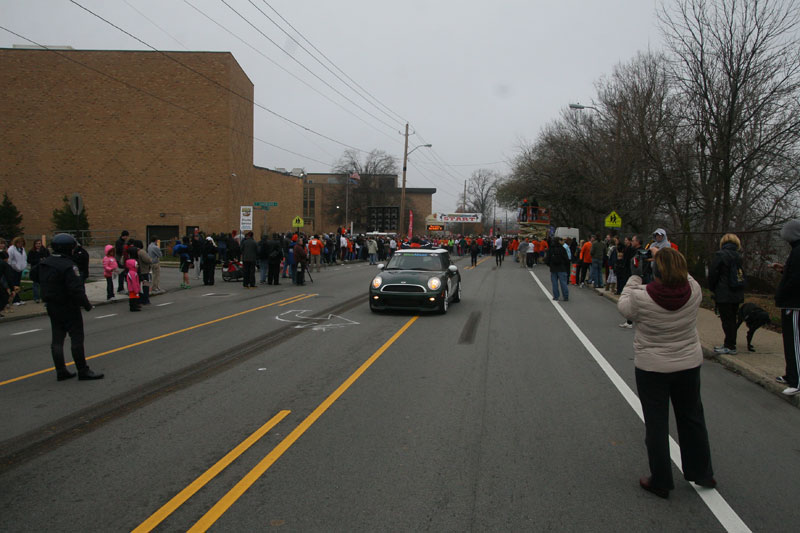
736	278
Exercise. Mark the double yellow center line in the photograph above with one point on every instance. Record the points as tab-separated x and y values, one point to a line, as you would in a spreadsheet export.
279	303
208	519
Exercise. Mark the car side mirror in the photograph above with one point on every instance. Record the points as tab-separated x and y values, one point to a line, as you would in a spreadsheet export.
453	269
381	266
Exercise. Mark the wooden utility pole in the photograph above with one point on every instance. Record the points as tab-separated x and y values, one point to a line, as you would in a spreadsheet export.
403	191
464	207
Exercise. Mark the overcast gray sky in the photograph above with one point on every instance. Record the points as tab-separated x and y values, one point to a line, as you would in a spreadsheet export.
474	78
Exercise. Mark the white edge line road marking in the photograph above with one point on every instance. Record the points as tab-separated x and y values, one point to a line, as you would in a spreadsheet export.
165	303
24	332
105	316
711	497
208	294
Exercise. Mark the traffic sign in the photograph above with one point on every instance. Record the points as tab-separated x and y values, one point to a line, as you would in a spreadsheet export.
297	222
265	204
76	204
264	207
613	220
272	204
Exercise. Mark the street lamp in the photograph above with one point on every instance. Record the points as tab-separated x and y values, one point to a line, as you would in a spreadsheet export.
403	192
580	106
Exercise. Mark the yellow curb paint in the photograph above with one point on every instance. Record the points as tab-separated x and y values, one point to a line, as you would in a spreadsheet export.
251	477
181	498
279	302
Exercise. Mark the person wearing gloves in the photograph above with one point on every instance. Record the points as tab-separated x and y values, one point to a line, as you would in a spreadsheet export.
667	357
64	293
787	298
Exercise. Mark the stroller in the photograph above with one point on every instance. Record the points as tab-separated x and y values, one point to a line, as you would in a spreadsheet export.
232	271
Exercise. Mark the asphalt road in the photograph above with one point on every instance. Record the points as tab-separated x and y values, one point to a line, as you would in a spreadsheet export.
296	408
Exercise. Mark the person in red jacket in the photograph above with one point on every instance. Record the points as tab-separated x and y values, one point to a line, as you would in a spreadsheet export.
585	262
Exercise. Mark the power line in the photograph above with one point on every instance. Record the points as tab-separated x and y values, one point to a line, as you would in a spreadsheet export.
315	58
334	64
215	82
287	71
65	55
334	89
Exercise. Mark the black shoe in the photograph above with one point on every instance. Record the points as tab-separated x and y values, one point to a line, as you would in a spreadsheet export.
88	374
709	483
646	484
62	375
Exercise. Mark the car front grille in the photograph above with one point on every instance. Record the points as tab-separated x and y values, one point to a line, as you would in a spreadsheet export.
403	288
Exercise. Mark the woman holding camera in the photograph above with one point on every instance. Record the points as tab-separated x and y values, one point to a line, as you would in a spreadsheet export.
667	359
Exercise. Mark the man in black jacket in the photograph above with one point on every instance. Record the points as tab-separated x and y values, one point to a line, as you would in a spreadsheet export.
274	253
249	258
63	292
558	261
787	298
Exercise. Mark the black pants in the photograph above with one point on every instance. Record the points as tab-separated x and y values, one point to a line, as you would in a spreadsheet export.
273	273
121	287
498	256
109	288
209	266
583	269
66	320
727	314
300	275
249	273
790	324
474	259
656	389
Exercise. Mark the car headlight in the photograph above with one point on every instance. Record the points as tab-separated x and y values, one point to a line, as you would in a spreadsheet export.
376	282
434	284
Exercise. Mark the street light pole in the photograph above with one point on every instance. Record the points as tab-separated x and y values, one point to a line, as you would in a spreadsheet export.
406	153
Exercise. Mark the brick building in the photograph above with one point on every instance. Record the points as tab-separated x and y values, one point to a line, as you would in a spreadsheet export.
326	195
151	146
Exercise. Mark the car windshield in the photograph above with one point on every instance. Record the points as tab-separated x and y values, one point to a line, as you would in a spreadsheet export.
415	261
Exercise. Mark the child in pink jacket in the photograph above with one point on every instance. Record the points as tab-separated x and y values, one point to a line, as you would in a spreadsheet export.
133	284
109	269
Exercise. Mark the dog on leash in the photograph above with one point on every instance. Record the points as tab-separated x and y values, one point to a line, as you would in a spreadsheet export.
754	317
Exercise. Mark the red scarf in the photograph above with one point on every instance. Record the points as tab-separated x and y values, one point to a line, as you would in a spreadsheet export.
670	298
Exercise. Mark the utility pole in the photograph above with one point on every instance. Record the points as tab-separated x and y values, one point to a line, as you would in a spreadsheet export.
464	206
403	192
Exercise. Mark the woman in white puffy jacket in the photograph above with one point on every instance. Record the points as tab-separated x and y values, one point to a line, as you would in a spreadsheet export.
668	356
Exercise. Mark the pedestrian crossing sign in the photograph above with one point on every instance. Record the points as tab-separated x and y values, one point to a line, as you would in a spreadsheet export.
613	220
297	222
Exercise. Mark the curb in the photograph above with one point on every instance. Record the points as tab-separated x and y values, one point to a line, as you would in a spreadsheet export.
749	372
7	318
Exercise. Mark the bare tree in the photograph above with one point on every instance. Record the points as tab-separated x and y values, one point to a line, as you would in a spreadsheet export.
737	66
481	192
375	186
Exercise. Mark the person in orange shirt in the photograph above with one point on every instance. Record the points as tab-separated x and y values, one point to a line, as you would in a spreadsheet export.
585	263
544	246
315	247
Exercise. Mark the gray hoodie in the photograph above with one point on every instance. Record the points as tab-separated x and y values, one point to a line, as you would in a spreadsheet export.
663	244
791	231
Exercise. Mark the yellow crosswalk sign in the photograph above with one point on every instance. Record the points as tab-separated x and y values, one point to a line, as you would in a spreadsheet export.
613	220
297	222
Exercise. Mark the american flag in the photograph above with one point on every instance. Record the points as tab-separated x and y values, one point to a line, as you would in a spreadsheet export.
355	179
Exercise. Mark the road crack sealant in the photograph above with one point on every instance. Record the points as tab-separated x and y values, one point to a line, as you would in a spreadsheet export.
34	443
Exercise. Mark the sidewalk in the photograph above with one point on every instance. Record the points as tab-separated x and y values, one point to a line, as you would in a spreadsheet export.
760	367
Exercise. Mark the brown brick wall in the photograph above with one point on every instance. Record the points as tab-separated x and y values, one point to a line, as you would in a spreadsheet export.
132	155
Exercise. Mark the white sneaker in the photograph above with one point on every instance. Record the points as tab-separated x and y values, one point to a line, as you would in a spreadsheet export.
626	325
791	391
17	303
